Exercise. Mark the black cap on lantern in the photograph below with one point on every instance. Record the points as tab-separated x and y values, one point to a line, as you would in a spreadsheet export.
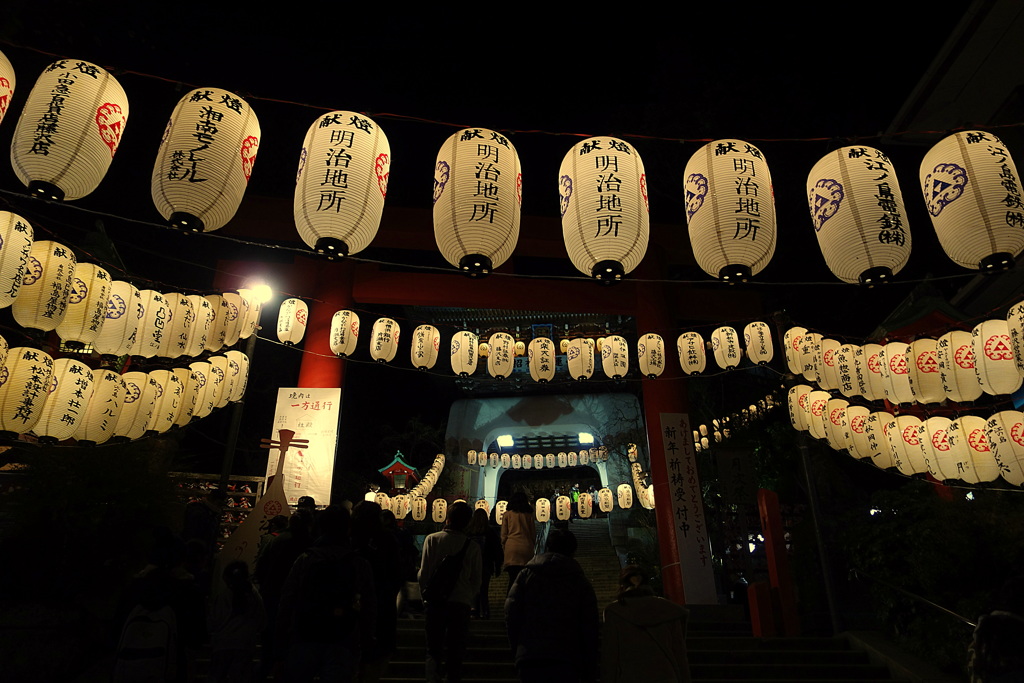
607	272
996	263
43	190
331	248
734	273
475	265
878	275
180	220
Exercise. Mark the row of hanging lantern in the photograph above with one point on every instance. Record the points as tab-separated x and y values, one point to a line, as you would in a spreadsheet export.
538	461
59	399
76	113
968	448
959	366
720	430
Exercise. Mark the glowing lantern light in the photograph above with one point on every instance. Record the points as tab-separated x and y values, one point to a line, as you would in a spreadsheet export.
895	371
886	423
177	326
67	400
605	500
96	425
24	384
572	459
471	457
615	357
137	408
506	460
46	286
994	362
426	342
384	340
810	357
692	353
550	460
541	359
624	495
217	333
730	209
793	342
495	460
464	353
580	358
15	244
757	337
527	462
563	508
584	456
970	450
956	366
538	461
1015	325
964	180
502	355
223	380
168	401
291	321
650	351
69	130
229	132
204	388
401	505
601	172
341	183
923	363
1005	435
234	317
858	214
726	345
7	83
252	305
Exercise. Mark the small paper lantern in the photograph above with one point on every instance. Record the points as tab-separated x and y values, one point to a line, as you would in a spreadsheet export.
584	457
605	499
252	307
495	460
137	408
517	461
202	325
42	302
426	342
87	303
878	428
585	505
956	366
419	508
563	459
757	337
837	426
538	461
471	457
969	446
994	362
615	357
341	183
205	159
829	369
857	419
580	358
650	351
971	189
291	321
905	442
872	361
401	505
344	333
97	423
692	354
69	130
572	459
797	396
541	359
168	401
602	189
624	494
384	340
15	243
793	341
550	460
223	380
506	461
1015	325
730	209
810	357
858	215
153	326
25	381
189	394
817	415
464	353
66	402
238	362
563	508
499	511
7	83
527	462
543	510
843	360
895	372
477	200
726	345
123	316
502	355
233	318
1005	435
383	500
923	363
217	334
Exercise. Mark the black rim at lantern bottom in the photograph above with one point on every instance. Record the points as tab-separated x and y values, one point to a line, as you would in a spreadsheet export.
607	272
735	273
875	276
180	220
331	248
44	190
996	263
475	265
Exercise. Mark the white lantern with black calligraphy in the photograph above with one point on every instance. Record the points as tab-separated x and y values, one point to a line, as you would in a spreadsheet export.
66	402
810	357
24	384
858	215
1005	434
527	462
252	306
994	362
857	419
956	366
905	442
154	325
202	325
478	193
572	459
550	460
872	443
923	363
168	401
793	340
797	396
538	461
615	357
87	304
650	351
205	159
585	505
515	461
234	317
137	408
580	358
341	183
730	209
69	130
42	302
605	499
938	454
871	363
7	83
384	340
179	321
543	510
602	190
725	343
218	326
541	359
757	337
624	496
837	425
239	364
96	425
494	459
895	370
502	355
817	416
401	505
969	445
15	247
563	508
584	456
1015	325
506	460
223	379
471	457
426	343
291	321
419	508
189	395
829	371
973	194
692	353
844	367
880	424
464	353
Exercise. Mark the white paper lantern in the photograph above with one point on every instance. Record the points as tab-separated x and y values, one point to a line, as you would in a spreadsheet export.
797	397
969	445
650	351
605	499
624	495
872	361
726	345
692	354
494	459
506	461
757	337
550	460
154	325
541	359
419	508
223	380
563	508
383	500
585	505
562	459
341	183
858	215
205	159
895	371
1015	325
87	303
584	457
384	340
857	419
923	363
471	457
572	459
464	353
168	401
426	343
401	505
189	394
935	442
905	442
730	209
198	389
810	357
199	331
96	425
956	366
501	358
615	357
180	317
878	427
217	334
252	307
69	130
527	462
970	187
15	244
817	414
837	426
516	461
238	362
291	321
845	374
994	362
234	317
602	189
24	385
42	302
7	83
66	402
793	342
542	510
137	408
1005	435
538	461
580	358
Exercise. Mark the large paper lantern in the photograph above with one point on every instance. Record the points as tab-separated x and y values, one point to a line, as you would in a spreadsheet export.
384	340
650	352
938	454
969	446
341	184
994	363
344	333
7	83
87	305
602	189
67	401
923	363
973	194
757	337
956	366
42	302
69	130
1005	434
543	510
692	353
858	215
579	357
730	209
463	353
793	340
291	321
154	324
615	357
205	159
122	318
426	342
24	384
478	192
501	358
96	425
15	247
541	359
895	370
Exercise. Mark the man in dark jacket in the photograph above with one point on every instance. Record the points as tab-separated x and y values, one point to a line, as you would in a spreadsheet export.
551	616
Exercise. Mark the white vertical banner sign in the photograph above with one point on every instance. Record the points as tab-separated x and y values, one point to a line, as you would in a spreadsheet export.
313	415
692	543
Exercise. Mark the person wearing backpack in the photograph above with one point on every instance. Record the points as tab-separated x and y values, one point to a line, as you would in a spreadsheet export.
449	578
327	613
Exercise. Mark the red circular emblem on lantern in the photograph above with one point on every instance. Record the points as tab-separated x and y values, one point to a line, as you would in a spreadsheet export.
940	440
382	168
796	342
927	361
272	508
250	146
874	365
830	358
997	347
1017	433
977	440
898	364
300	315
858	423
818	407
803	401
110	120
910	436
964	357
837	417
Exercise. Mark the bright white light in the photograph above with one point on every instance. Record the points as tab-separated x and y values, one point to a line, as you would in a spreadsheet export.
970	495
752	547
506	441
262	292
586	438
874	511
